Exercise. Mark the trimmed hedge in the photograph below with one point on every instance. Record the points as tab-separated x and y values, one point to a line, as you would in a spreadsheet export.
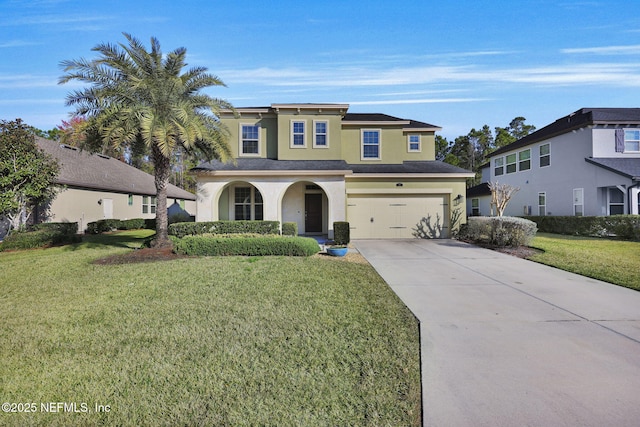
40	238
341	233
626	227
60	227
182	229
289	228
248	245
498	231
112	224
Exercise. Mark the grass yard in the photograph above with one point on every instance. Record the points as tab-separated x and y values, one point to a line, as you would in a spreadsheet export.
612	261
203	341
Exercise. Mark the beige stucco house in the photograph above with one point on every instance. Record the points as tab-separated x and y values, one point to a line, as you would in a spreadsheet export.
96	187
315	164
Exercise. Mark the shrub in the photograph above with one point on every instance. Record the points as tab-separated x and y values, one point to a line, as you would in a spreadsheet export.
625	227
43	237
248	245
150	223
341	233
182	229
499	231
131	224
289	228
181	217
103	226
61	227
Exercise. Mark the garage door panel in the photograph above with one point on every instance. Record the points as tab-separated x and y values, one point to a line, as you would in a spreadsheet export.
386	216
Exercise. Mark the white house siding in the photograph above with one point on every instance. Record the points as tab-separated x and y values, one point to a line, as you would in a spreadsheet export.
568	171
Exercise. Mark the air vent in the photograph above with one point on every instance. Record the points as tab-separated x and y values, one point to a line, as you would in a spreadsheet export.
103	156
313	187
68	147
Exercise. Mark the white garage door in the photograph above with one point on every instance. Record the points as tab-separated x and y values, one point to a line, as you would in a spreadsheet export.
385	216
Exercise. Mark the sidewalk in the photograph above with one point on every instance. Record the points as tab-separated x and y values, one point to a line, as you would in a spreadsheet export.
509	342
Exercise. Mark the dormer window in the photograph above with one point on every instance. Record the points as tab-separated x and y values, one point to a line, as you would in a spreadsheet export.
413	142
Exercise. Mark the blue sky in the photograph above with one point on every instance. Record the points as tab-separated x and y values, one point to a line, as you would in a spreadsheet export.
455	64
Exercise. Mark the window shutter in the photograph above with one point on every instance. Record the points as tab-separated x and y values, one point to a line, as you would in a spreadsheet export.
619	140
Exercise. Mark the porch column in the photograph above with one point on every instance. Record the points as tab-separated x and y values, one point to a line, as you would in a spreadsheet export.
633	204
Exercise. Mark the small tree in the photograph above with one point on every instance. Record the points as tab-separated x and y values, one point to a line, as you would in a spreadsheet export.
26	172
501	195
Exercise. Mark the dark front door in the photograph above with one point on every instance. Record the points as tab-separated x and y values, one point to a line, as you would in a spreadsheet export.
313	213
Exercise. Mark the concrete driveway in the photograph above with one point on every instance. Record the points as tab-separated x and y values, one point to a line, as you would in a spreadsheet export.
509	342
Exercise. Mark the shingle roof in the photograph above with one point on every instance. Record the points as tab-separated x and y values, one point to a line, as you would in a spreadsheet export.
378	117
337	165
627	167
97	172
481	189
579	119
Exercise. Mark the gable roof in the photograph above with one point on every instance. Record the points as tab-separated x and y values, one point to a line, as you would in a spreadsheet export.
576	120
259	164
82	169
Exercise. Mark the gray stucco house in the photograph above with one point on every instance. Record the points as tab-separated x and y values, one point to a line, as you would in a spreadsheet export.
586	163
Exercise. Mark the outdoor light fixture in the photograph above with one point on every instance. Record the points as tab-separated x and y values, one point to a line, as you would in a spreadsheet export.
458	199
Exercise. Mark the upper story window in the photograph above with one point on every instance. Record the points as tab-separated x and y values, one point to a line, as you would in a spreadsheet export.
524	160
545	155
370	144
297	134
250	139
511	163
320	134
413	143
631	140
498	166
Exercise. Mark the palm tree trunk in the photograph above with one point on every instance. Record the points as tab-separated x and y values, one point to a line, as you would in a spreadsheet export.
162	166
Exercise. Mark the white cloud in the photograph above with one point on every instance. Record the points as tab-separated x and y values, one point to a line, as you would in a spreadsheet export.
606	50
417	101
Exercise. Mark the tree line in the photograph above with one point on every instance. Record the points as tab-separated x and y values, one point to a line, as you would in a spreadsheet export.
471	151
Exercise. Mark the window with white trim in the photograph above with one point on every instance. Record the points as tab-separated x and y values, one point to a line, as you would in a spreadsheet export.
511	163
297	134
413	143
130	200
475	207
370	144
632	140
148	204
249	139
498	166
320	134
248	204
524	160
545	155
578	201
542	203
615	200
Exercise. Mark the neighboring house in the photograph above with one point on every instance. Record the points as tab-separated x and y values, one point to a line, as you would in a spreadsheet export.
587	163
97	187
315	164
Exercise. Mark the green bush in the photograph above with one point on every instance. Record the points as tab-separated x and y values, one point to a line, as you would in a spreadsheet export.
103	226
248	245
289	228
626	227
46	236
180	217
341	233
150	223
182	229
61	227
499	231
131	224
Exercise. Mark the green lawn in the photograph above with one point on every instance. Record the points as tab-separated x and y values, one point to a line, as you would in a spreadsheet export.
203	341
613	261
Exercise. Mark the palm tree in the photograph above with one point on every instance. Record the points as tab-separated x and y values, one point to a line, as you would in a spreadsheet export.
139	98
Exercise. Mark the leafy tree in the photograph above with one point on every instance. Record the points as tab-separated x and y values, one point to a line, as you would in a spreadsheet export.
26	172
516	130
143	101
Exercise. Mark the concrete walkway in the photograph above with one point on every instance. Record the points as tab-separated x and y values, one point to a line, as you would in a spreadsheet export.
509	342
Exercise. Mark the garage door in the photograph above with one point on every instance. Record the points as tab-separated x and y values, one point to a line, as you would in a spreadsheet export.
385	216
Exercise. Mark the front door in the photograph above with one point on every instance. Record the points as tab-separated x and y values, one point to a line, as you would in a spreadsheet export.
313	213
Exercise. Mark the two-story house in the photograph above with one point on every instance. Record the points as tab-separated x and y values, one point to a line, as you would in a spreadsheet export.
315	164
586	163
